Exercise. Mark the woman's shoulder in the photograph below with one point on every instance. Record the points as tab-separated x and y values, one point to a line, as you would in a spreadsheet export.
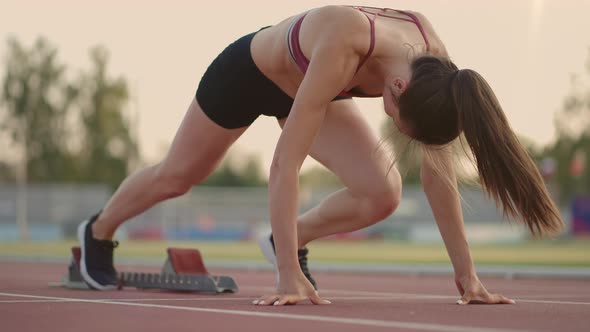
340	16
335	11
340	24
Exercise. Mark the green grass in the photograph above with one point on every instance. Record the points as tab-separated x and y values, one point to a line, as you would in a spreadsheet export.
540	253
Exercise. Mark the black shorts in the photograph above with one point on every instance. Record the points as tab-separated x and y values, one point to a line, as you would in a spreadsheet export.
234	92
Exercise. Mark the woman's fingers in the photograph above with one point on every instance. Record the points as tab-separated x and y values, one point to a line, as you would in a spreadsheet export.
464	300
316	299
285	300
501	299
489	299
266	300
278	300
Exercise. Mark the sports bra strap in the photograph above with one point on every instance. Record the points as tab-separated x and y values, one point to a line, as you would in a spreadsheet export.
411	18
371	44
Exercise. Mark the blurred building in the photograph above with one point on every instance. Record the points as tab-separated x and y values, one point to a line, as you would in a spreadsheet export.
212	213
53	211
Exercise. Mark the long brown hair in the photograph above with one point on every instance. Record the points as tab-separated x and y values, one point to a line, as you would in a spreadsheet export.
441	102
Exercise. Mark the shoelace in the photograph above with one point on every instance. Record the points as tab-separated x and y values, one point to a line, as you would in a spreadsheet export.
107	247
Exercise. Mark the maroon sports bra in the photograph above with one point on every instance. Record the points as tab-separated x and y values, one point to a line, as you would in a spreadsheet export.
303	63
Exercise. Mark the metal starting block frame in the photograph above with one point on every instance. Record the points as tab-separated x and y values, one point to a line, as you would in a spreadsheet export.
183	271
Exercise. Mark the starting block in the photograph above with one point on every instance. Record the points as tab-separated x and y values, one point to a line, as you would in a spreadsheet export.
184	271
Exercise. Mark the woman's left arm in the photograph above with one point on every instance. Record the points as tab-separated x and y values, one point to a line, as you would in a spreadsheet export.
446	207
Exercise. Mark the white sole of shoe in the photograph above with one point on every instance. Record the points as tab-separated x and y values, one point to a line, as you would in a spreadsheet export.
83	270
266	248
268	252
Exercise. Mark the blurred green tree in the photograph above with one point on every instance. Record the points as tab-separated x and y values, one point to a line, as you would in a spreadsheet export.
37	100
571	150
6	173
229	174
320	176
252	171
67	131
107	146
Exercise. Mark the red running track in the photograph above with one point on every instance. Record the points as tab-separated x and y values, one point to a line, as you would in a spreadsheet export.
361	302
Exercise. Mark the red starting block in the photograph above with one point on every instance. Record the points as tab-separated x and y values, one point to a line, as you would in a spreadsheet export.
184	261
184	270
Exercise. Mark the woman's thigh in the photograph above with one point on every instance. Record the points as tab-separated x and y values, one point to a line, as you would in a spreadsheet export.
198	146
349	148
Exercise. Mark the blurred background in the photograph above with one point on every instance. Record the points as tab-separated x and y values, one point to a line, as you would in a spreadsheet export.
93	91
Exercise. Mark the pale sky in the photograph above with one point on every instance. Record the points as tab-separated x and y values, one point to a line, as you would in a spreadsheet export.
526	49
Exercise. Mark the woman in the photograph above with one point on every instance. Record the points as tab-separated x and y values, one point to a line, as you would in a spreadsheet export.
306	80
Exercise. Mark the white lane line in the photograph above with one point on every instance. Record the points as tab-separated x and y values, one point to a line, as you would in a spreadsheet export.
218	299
203	299
552	302
312	318
410	295
555	296
197	299
33	301
192	299
136	300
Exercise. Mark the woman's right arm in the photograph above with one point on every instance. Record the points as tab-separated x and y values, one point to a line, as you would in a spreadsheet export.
333	64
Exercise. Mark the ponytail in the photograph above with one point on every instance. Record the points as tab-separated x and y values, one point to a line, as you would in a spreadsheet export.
507	172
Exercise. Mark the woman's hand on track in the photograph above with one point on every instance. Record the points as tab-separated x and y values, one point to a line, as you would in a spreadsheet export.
473	292
292	291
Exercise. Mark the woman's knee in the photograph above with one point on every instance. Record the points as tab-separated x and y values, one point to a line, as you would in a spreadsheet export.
385	199
171	182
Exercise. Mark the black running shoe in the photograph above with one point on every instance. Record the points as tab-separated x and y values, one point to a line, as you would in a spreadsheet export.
302	256
96	262
267	246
